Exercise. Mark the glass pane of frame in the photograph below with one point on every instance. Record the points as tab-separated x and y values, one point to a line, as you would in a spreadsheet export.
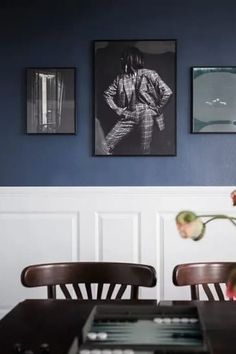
51	101
213	99
135	97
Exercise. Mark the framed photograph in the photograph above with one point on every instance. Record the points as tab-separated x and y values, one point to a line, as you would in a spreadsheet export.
213	99
135	97
51	101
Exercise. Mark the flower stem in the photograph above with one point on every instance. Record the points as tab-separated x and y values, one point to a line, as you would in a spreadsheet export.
233	222
220	216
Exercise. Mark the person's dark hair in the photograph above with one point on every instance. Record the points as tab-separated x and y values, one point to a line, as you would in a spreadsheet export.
131	60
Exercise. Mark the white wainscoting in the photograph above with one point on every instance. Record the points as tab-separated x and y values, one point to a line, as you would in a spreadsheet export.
123	224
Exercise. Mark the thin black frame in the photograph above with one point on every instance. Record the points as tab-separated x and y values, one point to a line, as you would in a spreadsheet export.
174	95
211	68
74	70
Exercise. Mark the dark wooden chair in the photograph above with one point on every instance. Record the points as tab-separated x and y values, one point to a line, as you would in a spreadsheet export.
70	276
208	275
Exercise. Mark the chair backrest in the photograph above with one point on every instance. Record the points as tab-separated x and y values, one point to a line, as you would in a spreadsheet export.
75	274
204	274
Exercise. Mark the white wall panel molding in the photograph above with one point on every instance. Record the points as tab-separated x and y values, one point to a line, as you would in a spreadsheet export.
72	198
118	237
29	238
127	224
73	191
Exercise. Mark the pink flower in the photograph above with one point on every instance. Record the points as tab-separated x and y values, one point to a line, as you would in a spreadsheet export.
190	225
231	285
230	291
233	197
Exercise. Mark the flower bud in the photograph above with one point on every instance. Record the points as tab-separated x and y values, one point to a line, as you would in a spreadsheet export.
233	197
231	285
190	225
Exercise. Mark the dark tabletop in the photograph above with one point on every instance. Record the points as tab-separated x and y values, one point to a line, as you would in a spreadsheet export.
58	322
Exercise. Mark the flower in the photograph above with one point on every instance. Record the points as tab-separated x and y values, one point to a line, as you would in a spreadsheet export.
190	225
231	285
233	197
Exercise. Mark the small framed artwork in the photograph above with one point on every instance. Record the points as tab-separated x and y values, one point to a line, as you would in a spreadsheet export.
51	100
135	97
213	99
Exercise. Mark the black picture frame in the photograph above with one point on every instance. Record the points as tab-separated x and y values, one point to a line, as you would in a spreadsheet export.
51	100
159	67
213	108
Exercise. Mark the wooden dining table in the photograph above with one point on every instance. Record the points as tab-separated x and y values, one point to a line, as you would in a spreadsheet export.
42	326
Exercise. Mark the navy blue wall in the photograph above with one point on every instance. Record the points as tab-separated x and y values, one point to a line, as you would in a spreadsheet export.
59	33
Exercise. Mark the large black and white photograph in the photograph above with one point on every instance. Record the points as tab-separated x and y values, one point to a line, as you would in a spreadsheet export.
135	97
51	101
